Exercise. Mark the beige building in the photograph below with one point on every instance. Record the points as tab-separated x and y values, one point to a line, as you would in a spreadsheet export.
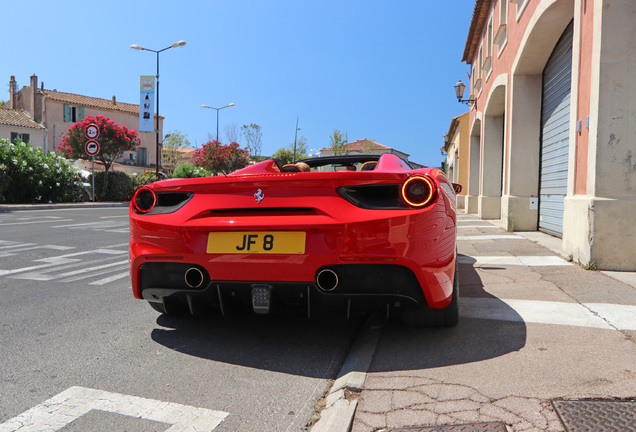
58	111
553	122
456	149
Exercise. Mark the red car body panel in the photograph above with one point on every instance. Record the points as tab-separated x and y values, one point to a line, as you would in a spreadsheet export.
337	231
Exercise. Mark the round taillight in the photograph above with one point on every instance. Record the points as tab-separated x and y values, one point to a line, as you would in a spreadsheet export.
144	199
419	191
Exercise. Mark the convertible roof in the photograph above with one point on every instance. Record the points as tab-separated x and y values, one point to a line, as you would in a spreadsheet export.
342	160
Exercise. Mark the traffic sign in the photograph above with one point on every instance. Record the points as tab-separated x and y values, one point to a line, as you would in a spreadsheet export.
91	147
91	131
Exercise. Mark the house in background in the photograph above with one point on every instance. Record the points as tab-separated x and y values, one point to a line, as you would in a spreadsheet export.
17	124
367	146
456	149
58	111
553	122
172	157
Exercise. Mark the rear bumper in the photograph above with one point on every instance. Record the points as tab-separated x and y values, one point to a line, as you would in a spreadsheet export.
359	286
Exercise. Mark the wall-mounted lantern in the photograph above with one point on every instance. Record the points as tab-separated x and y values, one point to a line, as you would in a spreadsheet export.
459	92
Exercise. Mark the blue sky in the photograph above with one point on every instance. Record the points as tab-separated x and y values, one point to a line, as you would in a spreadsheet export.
382	70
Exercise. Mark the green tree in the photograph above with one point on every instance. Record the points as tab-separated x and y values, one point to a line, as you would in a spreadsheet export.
337	143
253	136
219	158
302	152
285	155
172	142
113	140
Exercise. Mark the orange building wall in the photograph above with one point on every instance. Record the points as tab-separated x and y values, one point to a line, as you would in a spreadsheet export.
584	90
503	63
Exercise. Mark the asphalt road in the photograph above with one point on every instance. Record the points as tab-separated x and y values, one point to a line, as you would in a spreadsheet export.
80	353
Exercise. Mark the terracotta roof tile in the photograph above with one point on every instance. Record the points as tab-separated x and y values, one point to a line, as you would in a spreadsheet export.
92	102
14	117
480	14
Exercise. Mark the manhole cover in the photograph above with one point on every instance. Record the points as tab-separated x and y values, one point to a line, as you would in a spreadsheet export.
596	415
473	427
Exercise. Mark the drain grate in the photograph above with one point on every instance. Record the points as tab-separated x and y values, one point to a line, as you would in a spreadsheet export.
473	427
596	415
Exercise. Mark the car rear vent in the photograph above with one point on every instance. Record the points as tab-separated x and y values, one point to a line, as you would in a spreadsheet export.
374	197
169	199
269	211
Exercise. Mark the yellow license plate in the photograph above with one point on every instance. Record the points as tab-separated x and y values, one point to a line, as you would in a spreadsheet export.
246	242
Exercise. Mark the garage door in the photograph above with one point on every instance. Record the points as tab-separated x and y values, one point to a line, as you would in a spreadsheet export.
555	134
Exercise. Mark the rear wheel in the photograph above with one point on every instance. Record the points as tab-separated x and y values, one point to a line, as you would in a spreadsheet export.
446	317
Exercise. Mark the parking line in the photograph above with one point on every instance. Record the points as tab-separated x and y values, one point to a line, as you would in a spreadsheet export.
71	404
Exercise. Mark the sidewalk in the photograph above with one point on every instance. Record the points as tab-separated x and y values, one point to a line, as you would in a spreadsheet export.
535	332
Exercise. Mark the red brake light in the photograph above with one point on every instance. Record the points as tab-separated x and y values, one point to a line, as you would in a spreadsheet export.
419	191
144	199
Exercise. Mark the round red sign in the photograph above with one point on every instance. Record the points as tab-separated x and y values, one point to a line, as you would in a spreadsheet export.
91	131
91	147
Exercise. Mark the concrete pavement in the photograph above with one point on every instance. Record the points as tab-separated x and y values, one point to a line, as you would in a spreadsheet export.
534	328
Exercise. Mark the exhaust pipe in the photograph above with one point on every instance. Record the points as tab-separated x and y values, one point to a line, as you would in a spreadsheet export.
327	280
194	277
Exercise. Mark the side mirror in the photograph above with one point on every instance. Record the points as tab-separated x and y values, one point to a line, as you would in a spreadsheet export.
457	187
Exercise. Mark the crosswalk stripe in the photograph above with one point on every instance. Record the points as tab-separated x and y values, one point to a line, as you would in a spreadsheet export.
490	237
531	261
478	226
35	222
531	311
110	279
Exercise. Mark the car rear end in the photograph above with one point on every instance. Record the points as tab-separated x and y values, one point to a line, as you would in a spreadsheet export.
305	241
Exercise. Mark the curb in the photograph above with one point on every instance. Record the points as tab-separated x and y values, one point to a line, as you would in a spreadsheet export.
339	411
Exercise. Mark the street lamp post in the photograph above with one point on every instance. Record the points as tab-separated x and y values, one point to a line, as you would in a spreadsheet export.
174	45
217	116
295	136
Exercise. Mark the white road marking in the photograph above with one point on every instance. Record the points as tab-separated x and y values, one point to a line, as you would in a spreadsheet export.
623	317
35	222
60	261
76	272
491	237
111	278
530	261
94	225
531	311
73	403
478	226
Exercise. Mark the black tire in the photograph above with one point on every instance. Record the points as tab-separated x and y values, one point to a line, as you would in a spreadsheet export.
427	317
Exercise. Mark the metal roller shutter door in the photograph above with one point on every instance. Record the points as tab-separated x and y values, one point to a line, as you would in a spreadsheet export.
555	134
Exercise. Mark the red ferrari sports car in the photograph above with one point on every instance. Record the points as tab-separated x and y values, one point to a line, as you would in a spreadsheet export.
341	233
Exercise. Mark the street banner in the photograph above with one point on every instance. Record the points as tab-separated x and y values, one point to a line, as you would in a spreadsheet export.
147	104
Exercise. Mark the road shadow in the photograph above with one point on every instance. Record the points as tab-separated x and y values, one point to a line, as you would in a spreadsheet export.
471	340
316	348
290	344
